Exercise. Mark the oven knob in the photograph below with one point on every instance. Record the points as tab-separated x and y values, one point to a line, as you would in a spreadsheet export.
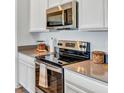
59	44
82	46
60	62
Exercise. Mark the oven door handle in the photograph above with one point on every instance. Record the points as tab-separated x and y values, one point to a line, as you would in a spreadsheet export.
50	67
53	68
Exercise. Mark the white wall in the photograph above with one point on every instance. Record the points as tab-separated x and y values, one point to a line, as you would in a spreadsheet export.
98	40
23	22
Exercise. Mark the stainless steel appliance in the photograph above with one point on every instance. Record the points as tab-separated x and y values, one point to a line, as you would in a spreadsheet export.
66	52
62	16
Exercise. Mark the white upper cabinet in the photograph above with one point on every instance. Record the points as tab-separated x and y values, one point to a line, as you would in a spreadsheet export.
92	14
106	12
66	1
38	15
52	3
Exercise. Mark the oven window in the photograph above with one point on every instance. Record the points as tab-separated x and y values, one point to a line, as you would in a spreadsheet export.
54	19
55	81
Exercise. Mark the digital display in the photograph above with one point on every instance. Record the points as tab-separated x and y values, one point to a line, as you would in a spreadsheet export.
70	44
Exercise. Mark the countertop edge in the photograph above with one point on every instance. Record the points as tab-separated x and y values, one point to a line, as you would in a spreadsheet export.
89	77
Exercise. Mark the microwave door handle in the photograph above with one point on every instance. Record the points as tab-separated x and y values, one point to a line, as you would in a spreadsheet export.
63	18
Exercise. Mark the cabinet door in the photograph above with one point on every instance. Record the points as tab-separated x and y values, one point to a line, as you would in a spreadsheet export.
69	88
38	15
52	3
66	1
22	74
106	12
91	14
31	79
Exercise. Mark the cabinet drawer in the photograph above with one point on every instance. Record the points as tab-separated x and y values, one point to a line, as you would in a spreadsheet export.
83	81
27	59
76	89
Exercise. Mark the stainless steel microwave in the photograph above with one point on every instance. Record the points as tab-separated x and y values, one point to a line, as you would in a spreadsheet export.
62	16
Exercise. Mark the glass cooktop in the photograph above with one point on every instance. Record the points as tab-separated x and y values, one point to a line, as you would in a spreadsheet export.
59	60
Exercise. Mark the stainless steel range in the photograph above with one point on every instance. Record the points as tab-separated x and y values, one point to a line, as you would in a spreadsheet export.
66	52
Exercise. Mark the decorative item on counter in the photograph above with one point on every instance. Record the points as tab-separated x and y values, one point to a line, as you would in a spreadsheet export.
51	44
41	47
98	57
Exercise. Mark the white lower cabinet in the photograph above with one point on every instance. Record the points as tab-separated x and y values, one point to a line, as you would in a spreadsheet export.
31	79
27	74
38	15
22	73
70	88
76	83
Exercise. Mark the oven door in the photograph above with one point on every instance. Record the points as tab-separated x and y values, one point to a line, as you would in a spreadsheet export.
55	79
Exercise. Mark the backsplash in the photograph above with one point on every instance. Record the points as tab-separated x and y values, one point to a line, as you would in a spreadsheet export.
98	40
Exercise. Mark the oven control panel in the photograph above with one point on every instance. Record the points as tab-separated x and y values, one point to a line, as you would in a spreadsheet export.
74	45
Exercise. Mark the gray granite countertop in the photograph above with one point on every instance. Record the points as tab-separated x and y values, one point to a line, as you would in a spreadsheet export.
29	50
90	69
